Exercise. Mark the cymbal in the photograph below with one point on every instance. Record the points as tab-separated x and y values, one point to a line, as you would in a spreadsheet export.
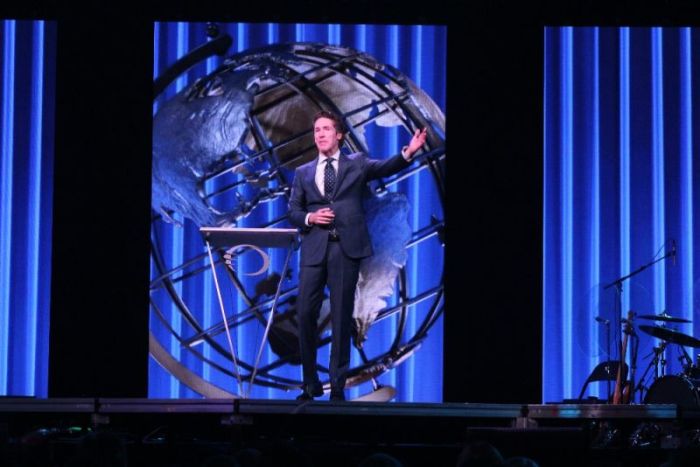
664	317
670	335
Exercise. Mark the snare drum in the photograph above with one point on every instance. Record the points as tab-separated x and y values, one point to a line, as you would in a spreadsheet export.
672	389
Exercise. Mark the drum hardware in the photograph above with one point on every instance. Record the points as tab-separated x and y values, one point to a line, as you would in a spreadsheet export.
682	389
670	335
686	362
663	366
655	363
663	316
674	389
693	369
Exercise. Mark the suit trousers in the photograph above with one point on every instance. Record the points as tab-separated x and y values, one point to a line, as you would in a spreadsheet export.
340	273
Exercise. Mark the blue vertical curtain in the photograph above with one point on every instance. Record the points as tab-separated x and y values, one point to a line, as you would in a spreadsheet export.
420	52
620	190
27	95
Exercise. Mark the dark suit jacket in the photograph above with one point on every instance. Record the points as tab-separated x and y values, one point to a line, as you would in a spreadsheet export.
354	171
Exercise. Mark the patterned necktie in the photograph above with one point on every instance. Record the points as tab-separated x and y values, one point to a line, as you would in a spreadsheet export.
328	179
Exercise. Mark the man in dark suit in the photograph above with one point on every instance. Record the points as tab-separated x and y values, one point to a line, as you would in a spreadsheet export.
326	204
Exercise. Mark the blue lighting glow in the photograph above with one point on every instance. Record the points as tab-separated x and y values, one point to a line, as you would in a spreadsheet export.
618	186
686	175
34	207
6	172
334	34
26	185
273	33
567	198
658	237
624	160
594	236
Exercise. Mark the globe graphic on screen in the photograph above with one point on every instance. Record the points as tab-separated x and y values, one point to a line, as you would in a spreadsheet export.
224	152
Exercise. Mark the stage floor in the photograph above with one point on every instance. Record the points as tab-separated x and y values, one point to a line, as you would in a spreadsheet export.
349	408
577	434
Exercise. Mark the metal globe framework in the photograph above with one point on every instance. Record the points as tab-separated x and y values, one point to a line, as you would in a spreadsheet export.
286	85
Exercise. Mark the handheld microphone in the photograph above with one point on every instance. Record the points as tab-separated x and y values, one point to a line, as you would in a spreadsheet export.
602	320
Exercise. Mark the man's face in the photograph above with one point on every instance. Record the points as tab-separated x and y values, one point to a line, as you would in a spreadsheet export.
326	137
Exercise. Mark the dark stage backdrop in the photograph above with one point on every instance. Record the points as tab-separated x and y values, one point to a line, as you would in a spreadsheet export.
28	80
493	319
418	51
621	190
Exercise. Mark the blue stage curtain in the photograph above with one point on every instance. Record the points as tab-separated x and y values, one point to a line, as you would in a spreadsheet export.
28	66
420	52
619	191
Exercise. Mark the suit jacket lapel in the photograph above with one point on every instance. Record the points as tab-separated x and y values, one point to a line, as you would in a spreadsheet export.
343	162
311	177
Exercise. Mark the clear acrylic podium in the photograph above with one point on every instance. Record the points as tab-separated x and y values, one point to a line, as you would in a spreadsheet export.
232	237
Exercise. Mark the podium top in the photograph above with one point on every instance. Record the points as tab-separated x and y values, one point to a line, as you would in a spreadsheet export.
230	236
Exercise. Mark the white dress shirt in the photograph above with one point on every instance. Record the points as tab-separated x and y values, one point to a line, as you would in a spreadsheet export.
320	170
319	178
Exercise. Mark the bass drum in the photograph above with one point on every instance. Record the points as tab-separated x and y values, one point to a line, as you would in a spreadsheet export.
672	389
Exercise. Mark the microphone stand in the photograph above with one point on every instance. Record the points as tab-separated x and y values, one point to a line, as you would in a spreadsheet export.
617	283
634	348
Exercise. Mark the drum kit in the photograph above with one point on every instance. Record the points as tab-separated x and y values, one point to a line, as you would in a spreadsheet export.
683	388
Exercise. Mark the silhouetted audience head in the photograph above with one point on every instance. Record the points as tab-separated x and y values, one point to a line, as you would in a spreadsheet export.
380	459
480	454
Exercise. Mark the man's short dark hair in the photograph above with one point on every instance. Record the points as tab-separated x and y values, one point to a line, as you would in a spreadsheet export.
337	122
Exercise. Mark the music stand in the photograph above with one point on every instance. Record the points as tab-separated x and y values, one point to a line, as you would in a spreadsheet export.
230	237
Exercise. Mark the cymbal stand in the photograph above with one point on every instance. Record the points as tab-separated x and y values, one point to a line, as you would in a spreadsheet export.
663	365
687	368
654	363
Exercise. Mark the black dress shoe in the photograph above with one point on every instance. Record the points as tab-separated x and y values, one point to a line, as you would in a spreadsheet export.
309	393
